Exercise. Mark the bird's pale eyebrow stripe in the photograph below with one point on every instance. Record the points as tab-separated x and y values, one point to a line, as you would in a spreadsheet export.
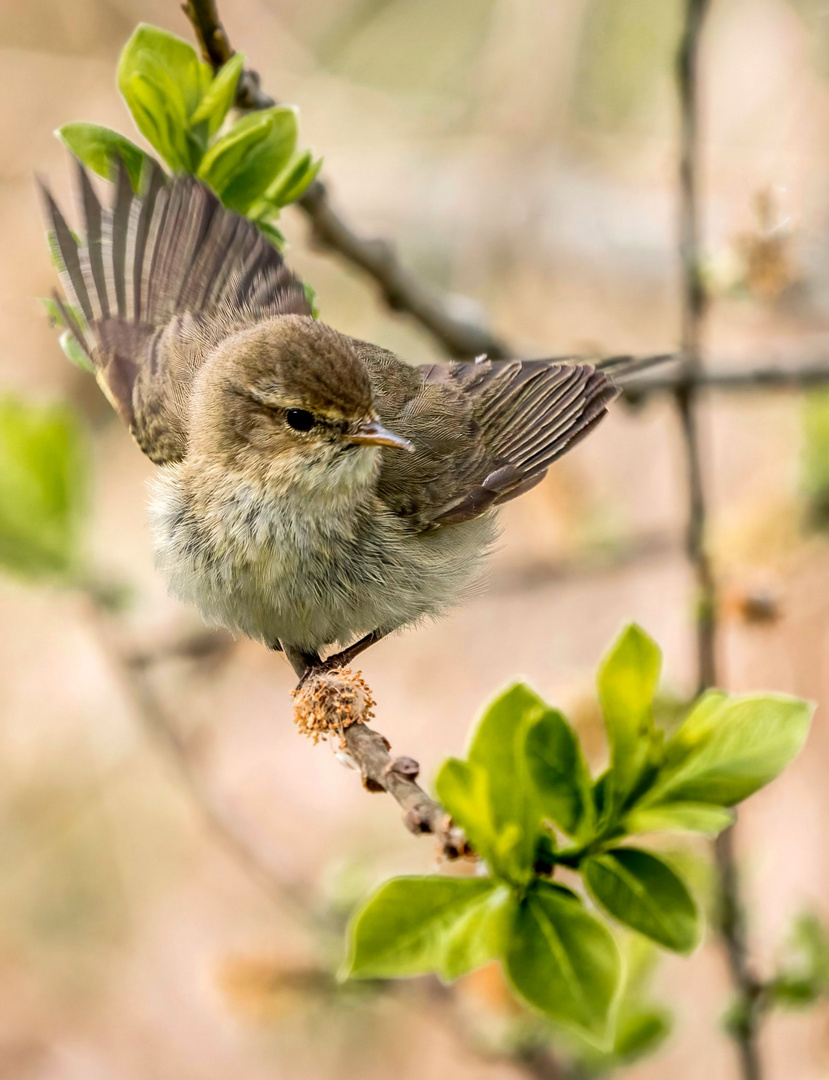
273	401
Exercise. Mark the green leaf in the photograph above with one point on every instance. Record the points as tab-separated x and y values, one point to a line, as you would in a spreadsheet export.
294	180
679	816
163	81
463	791
73	351
644	893
150	46
277	238
52	310
563	962
479	935
628	678
220	94
98	147
695	729
640	1031
498	748
310	294
42	489
158	112
414	925
731	748
558	770
803	974
241	165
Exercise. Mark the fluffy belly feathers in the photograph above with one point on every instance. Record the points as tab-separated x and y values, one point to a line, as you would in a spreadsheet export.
272	571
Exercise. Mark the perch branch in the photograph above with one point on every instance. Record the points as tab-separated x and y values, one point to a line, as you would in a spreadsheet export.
369	750
334	701
447	318
732	922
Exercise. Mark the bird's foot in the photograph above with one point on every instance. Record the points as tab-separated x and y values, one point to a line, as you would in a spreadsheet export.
306	664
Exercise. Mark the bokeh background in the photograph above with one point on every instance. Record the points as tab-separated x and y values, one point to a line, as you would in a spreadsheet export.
520	153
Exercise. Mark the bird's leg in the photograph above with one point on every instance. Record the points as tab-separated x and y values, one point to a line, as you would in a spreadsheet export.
303	663
344	658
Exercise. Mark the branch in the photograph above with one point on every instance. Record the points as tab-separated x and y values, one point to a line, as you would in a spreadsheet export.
732	916
447	318
380	772
765	376
333	701
693	314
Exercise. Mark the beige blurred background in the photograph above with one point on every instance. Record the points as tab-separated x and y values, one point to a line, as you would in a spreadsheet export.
521	153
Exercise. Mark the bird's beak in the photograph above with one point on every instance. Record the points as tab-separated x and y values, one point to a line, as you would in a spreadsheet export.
372	433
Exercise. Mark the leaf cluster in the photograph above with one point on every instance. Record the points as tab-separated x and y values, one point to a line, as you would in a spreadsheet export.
42	490
181	107
532	811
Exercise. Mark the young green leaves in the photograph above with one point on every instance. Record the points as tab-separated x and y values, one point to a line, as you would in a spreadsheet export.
529	806
180	107
42	490
420	924
563	961
643	892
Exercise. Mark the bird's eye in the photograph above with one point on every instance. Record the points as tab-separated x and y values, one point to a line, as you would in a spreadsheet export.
299	419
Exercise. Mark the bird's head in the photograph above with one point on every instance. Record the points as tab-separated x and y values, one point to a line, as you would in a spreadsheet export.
289	397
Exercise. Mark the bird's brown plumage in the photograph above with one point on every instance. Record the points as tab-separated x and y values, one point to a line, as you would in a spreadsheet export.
204	343
161	278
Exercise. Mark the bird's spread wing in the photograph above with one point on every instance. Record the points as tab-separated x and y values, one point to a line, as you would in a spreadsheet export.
515	419
157	280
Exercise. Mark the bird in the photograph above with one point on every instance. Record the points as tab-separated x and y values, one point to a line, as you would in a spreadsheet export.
314	492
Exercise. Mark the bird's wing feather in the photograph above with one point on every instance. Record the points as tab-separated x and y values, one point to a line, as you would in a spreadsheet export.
157	281
523	416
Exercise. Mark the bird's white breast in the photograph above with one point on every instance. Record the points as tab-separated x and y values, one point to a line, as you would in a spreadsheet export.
307	571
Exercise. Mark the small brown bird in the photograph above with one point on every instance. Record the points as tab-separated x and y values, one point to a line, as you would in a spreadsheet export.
313	490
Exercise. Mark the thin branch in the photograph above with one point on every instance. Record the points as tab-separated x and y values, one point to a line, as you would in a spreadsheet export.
397	776
763	377
732	916
365	746
446	317
693	313
333	700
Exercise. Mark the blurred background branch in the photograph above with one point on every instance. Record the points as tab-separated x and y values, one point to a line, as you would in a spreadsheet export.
732	914
446	317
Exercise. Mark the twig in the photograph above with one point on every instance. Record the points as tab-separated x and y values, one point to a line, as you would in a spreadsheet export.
333	700
381	772
693	313
764	376
732	917
447	318
364	745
